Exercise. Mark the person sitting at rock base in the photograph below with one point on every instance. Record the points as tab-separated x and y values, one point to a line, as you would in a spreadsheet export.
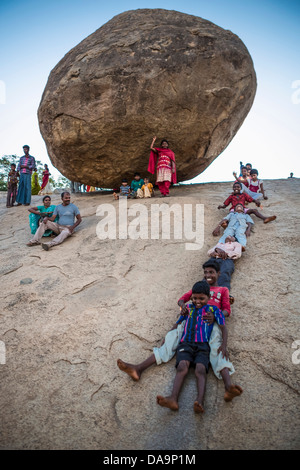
66	213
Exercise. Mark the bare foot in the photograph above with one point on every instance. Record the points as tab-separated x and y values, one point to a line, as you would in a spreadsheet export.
167	402
129	369
233	391
269	219
32	243
198	408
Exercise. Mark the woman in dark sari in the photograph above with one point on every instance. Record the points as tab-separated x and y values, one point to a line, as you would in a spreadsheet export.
164	160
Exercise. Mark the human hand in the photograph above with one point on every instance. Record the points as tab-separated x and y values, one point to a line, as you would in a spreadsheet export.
221	253
216	232
222	349
208	317
45	219
247	233
184	310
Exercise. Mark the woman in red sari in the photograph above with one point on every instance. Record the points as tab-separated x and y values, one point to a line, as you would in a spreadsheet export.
46	175
164	160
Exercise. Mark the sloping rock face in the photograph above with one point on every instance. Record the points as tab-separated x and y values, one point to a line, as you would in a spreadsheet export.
145	73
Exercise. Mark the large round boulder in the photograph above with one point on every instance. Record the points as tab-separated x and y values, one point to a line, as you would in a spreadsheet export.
144	73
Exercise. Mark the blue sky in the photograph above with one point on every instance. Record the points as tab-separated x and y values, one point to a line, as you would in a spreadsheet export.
35	35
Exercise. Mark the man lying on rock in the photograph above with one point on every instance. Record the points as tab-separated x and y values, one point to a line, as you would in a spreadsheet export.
68	219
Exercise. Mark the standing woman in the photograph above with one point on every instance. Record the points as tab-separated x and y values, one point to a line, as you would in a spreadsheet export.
25	167
45	188
164	160
35	185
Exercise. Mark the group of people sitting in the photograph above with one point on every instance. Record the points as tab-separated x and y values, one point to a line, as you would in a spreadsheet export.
139	188
161	161
199	336
48	219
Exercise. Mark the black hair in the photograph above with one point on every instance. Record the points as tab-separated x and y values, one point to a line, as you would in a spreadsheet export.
239	204
45	197
62	194
164	140
124	180
249	164
201	287
254	171
237	182
212	264
137	174
244	168
13	164
26	146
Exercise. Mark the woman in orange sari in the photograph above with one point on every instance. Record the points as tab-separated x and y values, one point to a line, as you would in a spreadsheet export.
164	160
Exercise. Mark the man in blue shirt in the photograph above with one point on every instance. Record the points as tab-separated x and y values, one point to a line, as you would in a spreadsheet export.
68	219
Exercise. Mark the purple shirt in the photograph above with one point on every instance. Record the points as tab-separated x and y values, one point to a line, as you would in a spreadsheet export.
29	162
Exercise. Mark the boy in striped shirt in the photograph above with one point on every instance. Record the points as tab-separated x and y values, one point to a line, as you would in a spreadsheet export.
193	348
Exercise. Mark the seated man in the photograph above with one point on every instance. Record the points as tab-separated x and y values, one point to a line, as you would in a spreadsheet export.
66	213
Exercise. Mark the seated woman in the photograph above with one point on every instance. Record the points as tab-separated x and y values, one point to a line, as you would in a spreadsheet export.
38	213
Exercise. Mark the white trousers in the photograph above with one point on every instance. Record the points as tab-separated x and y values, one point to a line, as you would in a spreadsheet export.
172	340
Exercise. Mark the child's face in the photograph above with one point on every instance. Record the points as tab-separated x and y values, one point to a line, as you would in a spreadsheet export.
211	275
13	167
146	181
244	172
254	176
199	300
124	183
236	188
137	177
229	239
239	208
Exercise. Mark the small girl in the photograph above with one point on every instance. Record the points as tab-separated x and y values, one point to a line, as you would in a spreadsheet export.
243	178
147	188
256	187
